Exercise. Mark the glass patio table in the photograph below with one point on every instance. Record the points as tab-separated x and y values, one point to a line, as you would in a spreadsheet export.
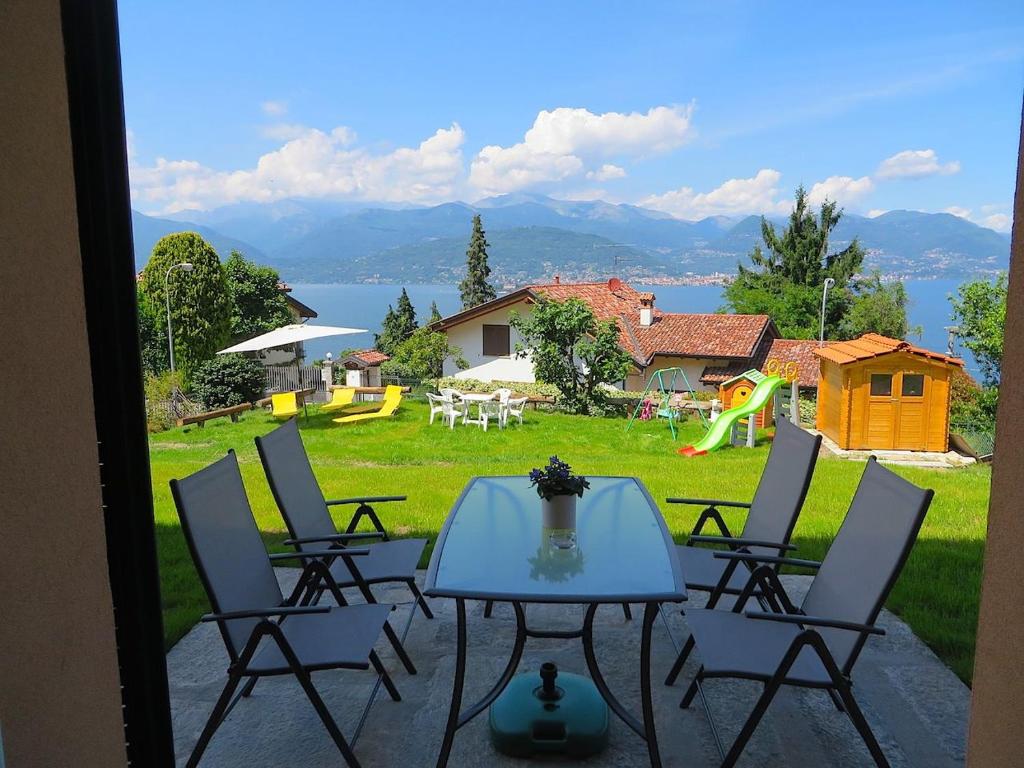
492	547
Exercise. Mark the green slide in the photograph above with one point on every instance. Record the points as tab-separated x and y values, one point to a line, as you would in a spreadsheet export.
721	427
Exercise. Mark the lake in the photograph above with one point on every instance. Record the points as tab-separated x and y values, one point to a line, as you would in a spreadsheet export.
364	306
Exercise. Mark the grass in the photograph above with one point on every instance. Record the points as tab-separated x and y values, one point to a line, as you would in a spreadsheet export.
937	594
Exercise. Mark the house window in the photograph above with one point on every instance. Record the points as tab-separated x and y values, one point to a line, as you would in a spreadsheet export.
496	341
881	384
913	385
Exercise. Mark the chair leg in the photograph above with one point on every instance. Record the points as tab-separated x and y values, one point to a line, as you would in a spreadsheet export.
861	724
384	676
770	689
836	700
488	607
326	719
692	690
399	649
627	612
677	667
421	601
216	716
247	690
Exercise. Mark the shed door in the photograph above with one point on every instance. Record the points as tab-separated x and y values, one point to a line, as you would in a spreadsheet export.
911	426
897	410
882	409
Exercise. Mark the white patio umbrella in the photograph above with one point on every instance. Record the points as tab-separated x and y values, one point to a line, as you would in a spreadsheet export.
289	334
500	369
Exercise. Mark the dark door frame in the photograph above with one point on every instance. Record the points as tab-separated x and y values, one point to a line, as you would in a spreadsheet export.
96	112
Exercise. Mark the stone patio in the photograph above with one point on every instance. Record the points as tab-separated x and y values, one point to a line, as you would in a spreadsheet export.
916	706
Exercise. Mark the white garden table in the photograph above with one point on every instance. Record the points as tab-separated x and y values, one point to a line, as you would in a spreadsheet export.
470	398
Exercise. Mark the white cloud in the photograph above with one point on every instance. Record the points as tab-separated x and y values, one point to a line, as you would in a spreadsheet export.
1000	222
915	164
956	210
757	194
874	213
607	172
844	190
274	108
562	143
313	164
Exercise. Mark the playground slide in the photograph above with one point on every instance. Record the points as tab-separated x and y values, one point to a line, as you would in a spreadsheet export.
721	427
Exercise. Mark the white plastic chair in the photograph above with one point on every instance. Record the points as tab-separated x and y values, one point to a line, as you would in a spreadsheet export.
454	409
515	407
436	405
491	411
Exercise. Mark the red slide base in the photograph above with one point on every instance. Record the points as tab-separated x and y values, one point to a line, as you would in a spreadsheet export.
689	451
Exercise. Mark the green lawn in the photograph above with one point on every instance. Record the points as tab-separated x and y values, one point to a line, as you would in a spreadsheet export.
937	594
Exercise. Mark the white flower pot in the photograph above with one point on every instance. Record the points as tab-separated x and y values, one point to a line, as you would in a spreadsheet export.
559	512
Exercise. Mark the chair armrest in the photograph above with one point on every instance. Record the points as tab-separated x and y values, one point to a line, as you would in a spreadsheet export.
256	613
741	542
814	621
366	500
755	558
335	537
707	502
310	555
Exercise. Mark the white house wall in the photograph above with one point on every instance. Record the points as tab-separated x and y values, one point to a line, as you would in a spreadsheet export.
469	337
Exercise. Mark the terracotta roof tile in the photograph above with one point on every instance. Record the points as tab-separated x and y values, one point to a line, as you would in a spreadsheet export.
369	356
873	345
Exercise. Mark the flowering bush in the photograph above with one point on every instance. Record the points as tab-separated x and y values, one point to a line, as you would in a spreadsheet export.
557	479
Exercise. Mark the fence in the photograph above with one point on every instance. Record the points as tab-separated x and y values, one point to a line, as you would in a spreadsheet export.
981	437
290	378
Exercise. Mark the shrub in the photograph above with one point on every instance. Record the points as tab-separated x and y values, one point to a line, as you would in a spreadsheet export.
158	389
228	380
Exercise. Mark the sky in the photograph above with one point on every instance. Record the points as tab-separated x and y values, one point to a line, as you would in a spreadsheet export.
694	109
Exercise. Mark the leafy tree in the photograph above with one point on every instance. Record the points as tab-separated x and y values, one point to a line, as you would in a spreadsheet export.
877	308
786	281
227	380
257	305
475	289
572	350
152	335
200	301
399	324
980	312
435	313
422	356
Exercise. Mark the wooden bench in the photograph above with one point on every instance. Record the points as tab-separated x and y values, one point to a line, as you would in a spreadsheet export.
231	411
368	390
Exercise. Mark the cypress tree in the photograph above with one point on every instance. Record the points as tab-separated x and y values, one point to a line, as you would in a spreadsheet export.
398	325
435	313
475	289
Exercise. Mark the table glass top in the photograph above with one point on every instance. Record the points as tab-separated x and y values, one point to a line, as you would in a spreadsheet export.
494	546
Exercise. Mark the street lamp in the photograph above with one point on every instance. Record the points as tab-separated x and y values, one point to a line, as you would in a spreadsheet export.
184	267
829	282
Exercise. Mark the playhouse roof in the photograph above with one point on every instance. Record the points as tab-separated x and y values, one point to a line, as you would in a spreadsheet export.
872	345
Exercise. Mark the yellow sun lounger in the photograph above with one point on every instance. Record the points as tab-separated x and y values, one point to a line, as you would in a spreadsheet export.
388	407
340	398
284	405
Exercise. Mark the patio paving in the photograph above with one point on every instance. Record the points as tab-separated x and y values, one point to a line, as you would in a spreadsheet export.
917	707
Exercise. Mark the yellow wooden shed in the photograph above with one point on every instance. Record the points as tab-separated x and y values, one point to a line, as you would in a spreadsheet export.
877	393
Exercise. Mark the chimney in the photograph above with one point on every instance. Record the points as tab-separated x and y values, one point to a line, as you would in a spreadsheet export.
558	279
646	310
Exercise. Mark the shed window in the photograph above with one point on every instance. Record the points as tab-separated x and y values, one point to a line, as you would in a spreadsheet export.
913	385
881	384
496	340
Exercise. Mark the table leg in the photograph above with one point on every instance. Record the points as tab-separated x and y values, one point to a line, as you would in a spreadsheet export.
460	678
650	612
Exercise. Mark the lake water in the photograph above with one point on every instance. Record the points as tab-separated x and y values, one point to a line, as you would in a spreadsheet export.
364	306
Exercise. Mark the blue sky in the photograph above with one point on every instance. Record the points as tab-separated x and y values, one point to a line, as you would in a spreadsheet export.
692	109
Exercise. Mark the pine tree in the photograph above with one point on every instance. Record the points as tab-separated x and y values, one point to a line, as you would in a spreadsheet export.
435	313
475	289
399	324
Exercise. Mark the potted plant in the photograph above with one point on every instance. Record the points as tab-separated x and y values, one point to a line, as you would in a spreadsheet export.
558	489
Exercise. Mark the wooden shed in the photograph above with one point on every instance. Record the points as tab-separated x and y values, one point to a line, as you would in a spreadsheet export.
877	393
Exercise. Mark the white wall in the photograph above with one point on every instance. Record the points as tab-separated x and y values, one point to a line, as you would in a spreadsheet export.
469	337
692	367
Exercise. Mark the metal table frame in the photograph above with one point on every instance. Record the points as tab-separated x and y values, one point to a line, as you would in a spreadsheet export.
457	717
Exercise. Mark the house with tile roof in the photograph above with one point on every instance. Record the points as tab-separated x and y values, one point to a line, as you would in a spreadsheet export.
710	348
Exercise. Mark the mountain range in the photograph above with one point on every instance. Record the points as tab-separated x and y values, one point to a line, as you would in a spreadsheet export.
534	237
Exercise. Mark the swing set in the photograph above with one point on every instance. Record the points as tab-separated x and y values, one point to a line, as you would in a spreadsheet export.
660	399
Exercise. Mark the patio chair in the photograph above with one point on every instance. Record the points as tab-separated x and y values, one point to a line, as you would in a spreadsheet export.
490	412
454	409
265	633
387	408
437	405
503	394
341	398
306	513
817	644
769	525
515	407
284	405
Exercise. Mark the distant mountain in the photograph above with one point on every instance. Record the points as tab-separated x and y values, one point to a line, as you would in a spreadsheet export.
534	236
147	230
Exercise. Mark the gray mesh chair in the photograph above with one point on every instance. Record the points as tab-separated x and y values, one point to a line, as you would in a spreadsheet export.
769	525
305	512
817	644
264	632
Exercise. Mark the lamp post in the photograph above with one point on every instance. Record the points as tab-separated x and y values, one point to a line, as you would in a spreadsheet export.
829	282
184	267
